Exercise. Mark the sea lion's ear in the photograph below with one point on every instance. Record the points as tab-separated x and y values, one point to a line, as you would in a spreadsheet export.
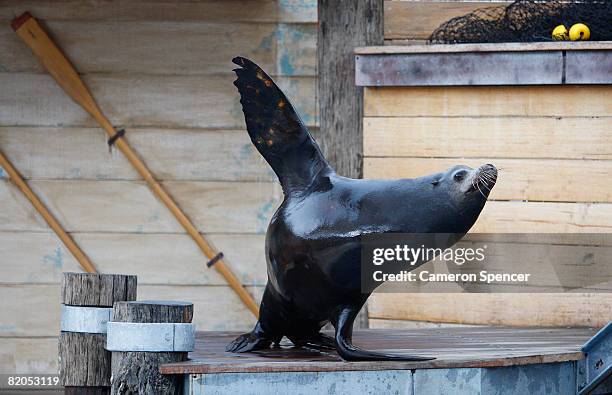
275	128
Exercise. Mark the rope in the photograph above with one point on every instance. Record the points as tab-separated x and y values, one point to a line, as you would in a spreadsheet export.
526	21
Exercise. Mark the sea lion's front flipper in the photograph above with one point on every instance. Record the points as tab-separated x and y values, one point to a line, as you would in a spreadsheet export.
276	129
251	341
343	322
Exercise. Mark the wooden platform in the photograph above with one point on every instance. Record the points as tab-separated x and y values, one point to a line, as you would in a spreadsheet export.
471	347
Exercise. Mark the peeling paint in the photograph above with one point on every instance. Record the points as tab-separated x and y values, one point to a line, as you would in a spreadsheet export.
3	173
263	216
352	382
74	172
267	42
286	68
7	328
551	378
298	10
56	260
296	49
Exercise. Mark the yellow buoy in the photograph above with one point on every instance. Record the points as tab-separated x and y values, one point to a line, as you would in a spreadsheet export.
560	33
579	32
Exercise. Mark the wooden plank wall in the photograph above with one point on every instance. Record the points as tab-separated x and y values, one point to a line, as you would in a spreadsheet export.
553	145
162	70
413	21
553	154
414	131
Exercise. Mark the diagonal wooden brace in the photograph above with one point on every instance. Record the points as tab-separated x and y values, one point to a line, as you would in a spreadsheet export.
68	241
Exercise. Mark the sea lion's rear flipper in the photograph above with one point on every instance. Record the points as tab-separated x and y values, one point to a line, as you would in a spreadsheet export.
276	129
343	322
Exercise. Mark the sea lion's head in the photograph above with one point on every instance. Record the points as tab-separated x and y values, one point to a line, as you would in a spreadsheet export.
465	190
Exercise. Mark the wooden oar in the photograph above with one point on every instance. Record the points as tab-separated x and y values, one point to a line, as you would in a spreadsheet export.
23	186
66	76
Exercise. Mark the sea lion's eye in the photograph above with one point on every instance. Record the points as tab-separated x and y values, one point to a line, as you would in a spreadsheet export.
435	182
459	176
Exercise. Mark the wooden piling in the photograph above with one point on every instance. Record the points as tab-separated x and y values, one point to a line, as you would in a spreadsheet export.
138	371
85	365
344	25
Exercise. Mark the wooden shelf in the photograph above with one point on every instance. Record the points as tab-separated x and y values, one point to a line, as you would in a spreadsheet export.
542	63
486	47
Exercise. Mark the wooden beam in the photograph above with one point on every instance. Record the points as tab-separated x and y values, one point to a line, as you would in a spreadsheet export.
484	67
569	46
483	101
344	25
524	309
546	180
465	137
449	69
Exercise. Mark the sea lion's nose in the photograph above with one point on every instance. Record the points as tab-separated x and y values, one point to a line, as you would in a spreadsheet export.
488	174
489	166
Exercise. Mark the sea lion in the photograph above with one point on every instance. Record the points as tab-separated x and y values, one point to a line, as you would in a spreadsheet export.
313	240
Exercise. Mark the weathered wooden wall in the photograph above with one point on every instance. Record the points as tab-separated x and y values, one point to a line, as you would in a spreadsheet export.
547	132
162	70
413	21
553	146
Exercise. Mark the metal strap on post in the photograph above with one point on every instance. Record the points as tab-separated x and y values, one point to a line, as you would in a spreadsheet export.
150	337
85	319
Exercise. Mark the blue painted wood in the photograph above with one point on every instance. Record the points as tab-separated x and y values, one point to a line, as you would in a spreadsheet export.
296	49
536	379
460	381
307	383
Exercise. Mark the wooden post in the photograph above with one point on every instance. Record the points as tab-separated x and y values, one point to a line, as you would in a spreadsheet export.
137	372
85	365
344	25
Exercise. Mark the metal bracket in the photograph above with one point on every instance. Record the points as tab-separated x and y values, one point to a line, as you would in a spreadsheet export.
597	365
150	337
85	319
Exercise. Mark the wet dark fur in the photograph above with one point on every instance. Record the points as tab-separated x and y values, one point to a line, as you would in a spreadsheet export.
313	241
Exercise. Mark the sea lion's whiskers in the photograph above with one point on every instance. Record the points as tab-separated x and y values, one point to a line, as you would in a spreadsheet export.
472	182
479	180
490	177
482	181
484	184
481	192
487	178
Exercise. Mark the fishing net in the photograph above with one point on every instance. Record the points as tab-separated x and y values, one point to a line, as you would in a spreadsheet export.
526	20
